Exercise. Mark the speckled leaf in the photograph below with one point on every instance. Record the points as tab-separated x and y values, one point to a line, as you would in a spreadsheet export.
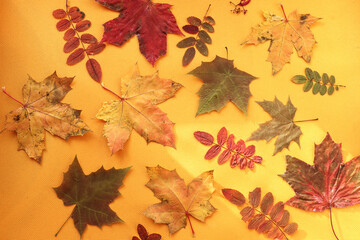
137	109
234	196
210	20
323	89
327	183
316	88
42	110
325	78
299	79
222	83
281	125
204	137
331	90
91	195
308	85
309	73
317	77
179	201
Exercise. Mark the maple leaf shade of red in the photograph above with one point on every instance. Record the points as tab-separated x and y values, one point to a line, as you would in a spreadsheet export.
151	22
327	183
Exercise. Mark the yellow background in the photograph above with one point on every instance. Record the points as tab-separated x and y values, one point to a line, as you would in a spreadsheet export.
30	44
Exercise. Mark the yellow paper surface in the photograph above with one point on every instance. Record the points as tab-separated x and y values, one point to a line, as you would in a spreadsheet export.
30	44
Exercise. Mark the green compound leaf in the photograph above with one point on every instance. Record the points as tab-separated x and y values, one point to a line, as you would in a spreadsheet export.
201	47
188	56
187	42
208	27
204	36
210	20
194	21
313	80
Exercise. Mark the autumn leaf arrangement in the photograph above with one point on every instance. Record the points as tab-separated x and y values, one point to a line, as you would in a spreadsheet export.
335	183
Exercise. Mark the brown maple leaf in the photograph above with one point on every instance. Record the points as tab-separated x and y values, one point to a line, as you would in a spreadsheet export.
42	110
136	109
179	201
282	125
284	34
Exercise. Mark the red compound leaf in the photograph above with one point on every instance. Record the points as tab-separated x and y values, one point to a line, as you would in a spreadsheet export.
238	154
270	219
72	20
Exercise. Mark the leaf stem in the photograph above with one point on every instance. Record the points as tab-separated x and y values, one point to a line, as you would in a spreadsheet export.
227	53
207	11
62	225
188	217
308	120
332	227
273	222
4	91
103	86
282	8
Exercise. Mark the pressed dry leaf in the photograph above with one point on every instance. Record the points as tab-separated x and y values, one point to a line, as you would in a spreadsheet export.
94	69
77	56
72	44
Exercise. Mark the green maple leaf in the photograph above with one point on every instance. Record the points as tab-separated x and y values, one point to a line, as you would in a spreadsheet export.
91	194
282	125
222	83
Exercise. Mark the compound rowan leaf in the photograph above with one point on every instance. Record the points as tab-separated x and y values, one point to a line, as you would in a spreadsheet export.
179	201
222	83
91	195
284	34
282	125
137	109
151	22
42	110
269	219
328	183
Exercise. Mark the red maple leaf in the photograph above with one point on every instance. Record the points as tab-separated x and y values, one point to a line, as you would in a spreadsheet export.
151	22
326	184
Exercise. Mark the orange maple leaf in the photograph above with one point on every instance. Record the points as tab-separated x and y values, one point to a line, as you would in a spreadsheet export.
136	109
284	34
42	110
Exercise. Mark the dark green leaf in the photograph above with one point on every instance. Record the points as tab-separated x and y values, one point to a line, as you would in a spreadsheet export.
188	56
194	21
323	89
187	42
317	77
202	48
210	20
325	78
331	90
316	88
308	85
298	79
204	36
309	73
332	80
208	27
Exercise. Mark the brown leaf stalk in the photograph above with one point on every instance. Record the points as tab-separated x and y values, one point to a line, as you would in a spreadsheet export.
331	222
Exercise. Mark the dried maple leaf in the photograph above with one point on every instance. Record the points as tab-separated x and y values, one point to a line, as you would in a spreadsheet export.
179	202
91	194
143	234
282	125
136	109
271	219
284	34
326	184
151	22
222	83
42	110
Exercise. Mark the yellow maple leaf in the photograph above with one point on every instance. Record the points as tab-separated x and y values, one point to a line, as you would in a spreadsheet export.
284	34
42	110
137	109
178	201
